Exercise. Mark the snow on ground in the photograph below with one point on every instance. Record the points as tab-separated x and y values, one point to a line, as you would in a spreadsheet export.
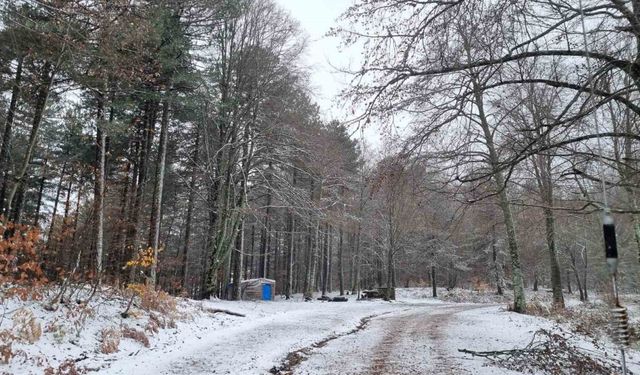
416	334
256	343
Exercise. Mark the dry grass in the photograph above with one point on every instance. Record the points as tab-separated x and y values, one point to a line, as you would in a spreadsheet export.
67	367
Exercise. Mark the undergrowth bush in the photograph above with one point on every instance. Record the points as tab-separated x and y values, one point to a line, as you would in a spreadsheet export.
135	335
109	340
20	271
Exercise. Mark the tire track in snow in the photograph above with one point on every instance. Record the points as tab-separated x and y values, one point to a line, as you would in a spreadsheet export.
409	341
293	359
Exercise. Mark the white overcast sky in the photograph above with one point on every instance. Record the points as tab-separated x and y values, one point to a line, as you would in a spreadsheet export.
324	54
316	17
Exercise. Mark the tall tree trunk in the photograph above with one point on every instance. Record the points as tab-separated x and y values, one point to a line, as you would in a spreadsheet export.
41	104
190	203
325	261
237	266
330	260
355	287
265	234
145	137
249	274
55	208
43	179
101	142
157	204
290	244
65	225
496	266
6	135
519	301
434	289
308	263
542	167
340	263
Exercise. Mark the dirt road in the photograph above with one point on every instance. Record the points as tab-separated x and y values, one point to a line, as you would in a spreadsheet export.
412	341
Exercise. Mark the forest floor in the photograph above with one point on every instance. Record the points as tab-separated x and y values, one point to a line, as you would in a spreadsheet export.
416	334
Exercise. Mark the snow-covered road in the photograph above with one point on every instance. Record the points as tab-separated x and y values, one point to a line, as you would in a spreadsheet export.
410	337
257	343
405	337
412	341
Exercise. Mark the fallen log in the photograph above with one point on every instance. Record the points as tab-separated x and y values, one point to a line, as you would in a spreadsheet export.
223	311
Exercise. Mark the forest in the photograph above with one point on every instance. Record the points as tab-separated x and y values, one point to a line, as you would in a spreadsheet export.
176	144
156	154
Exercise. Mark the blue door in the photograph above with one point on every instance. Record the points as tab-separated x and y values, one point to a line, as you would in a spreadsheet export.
266	292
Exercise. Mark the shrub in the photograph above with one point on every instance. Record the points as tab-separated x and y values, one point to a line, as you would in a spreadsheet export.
134	334
67	367
25	326
19	261
6	343
155	300
110	340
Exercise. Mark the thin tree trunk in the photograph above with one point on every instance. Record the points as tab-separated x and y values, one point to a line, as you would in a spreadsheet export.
249	269
160	171
6	135
290	243
101	141
308	264
340	263
41	104
190	204
325	261
55	207
43	179
519	301
237	266
145	137
434	289
496	266
330	260
355	288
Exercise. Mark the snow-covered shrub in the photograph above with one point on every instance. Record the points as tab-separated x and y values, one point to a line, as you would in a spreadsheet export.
67	367
6	346
135	335
25	326
109	340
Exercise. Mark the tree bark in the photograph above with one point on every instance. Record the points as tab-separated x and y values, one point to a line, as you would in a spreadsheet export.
41	104
325	260
55	208
434	288
237	267
190	204
101	142
340	262
519	301
496	266
157	205
6	135
43	179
